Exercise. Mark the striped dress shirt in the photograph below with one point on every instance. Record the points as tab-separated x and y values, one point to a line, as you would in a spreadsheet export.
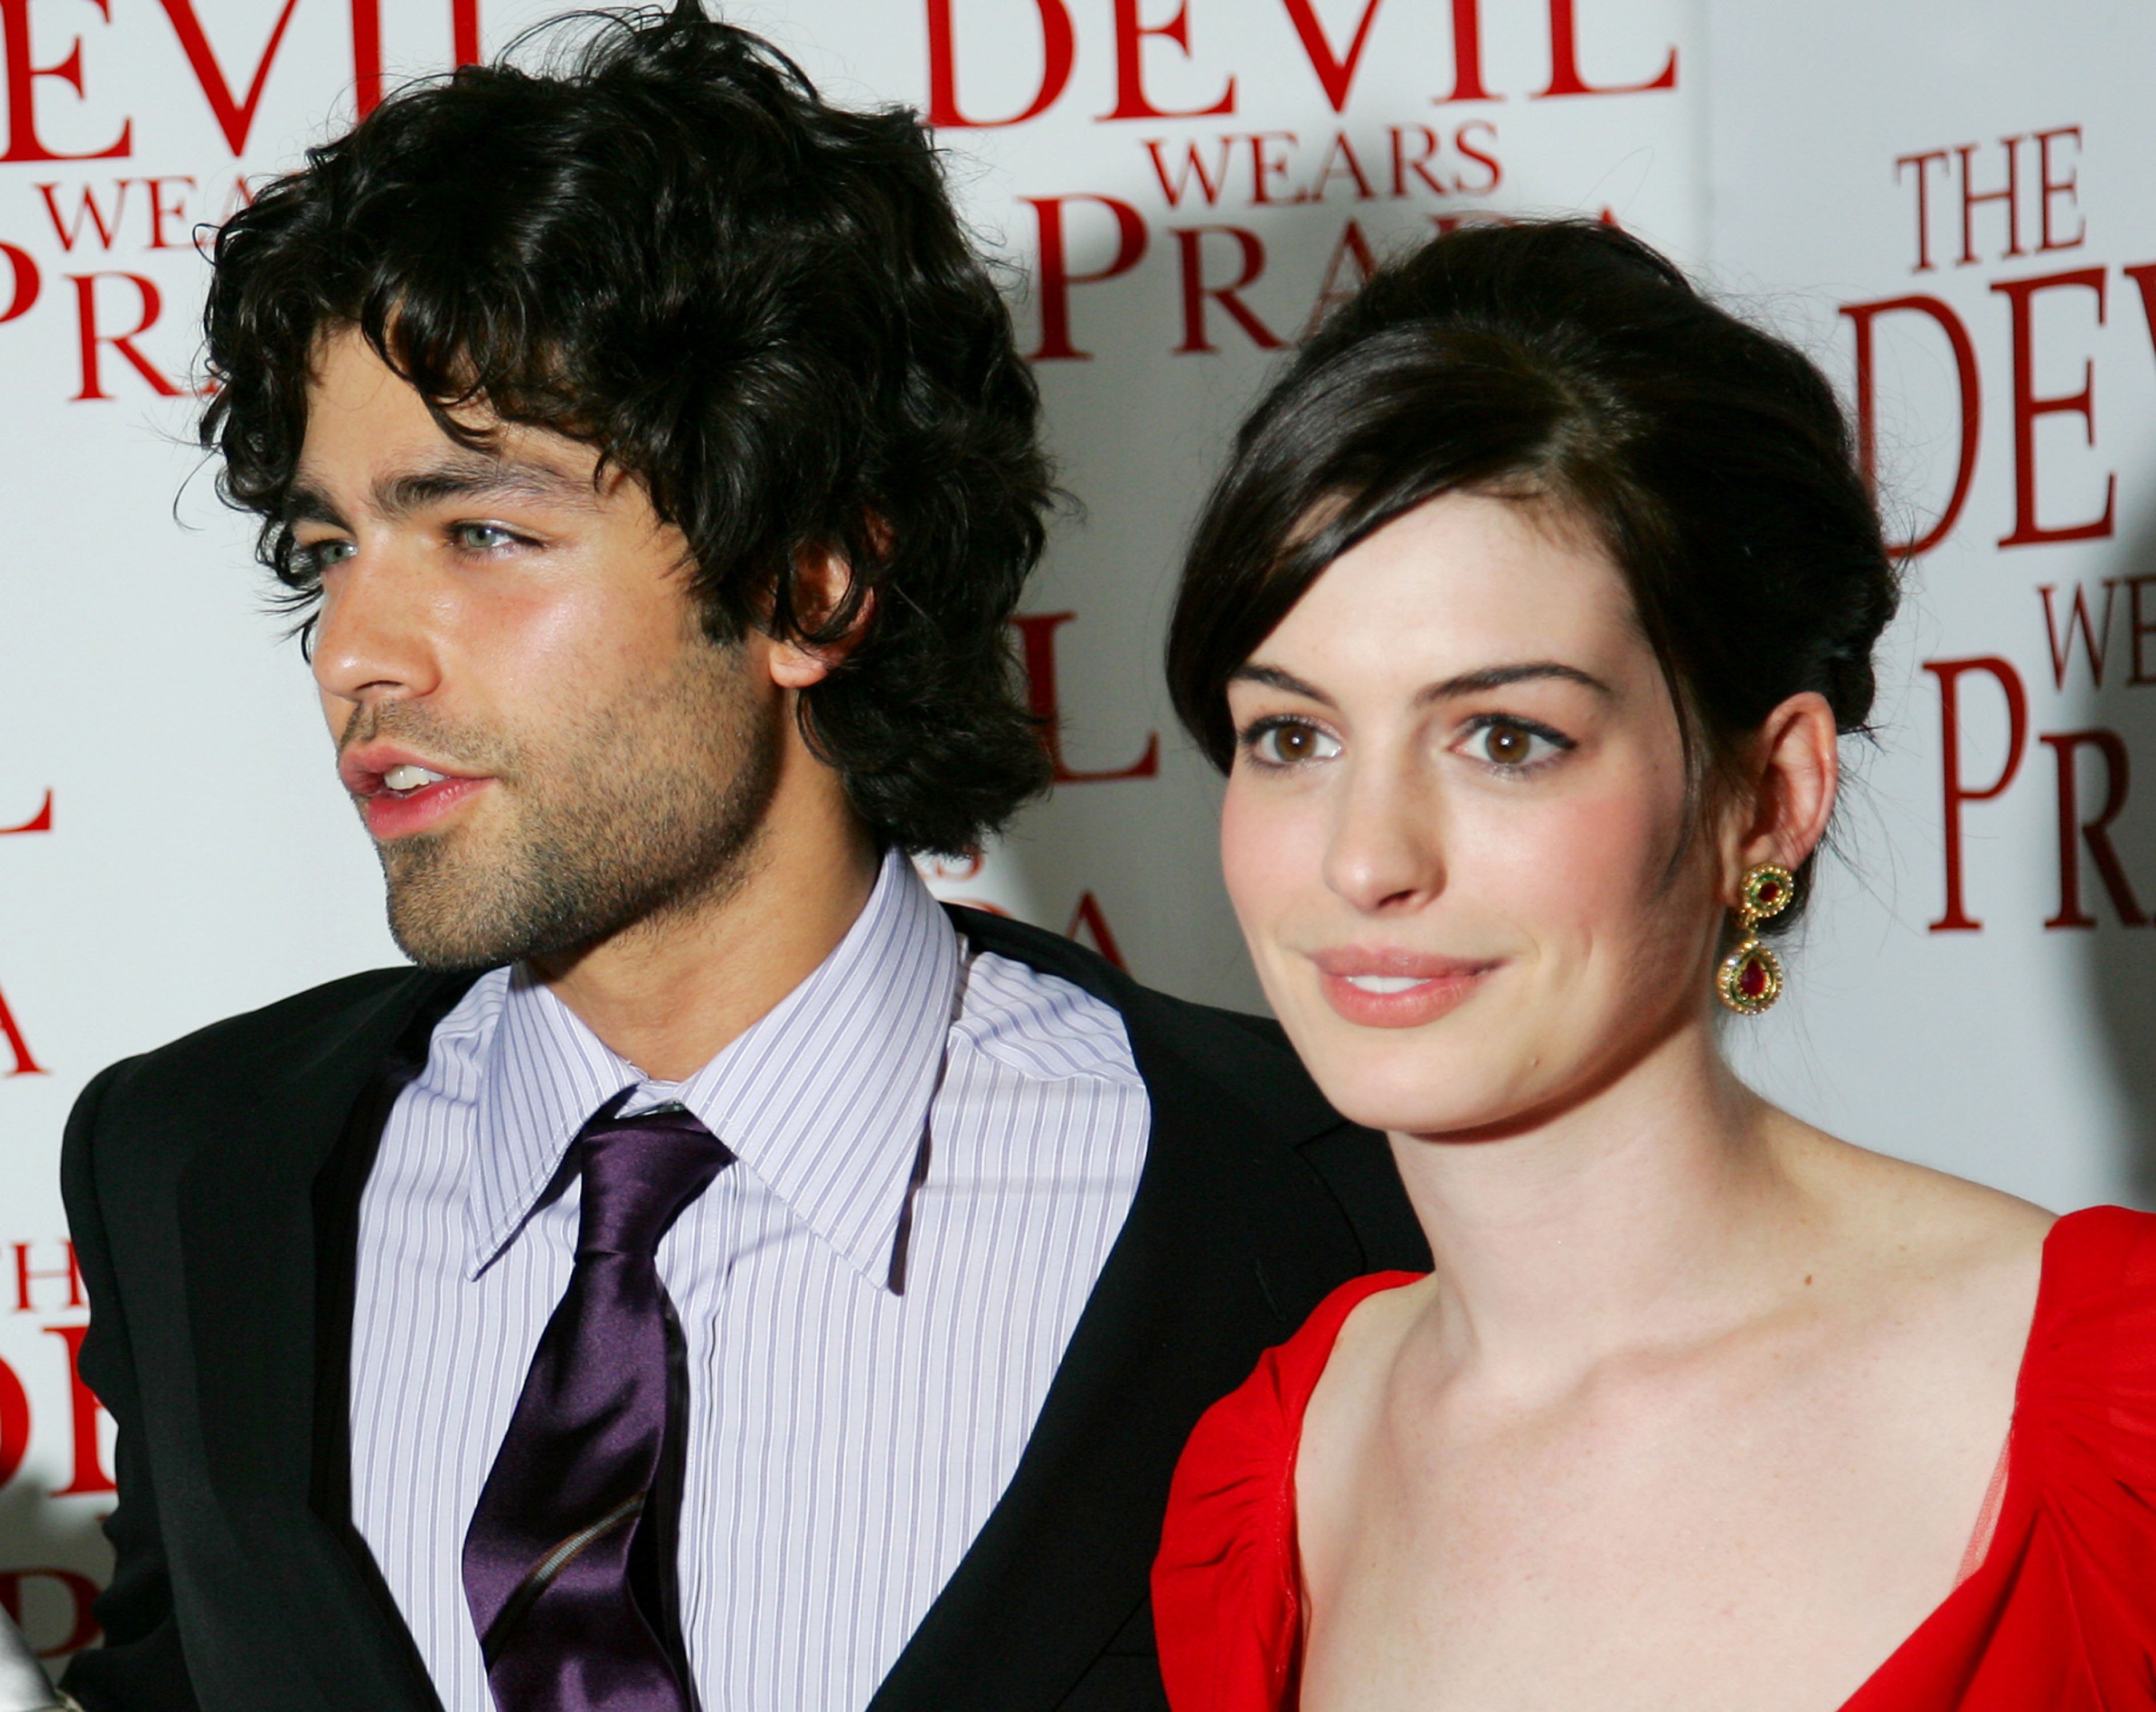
935	1151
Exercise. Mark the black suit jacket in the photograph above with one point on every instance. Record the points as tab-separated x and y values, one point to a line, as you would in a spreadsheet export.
212	1188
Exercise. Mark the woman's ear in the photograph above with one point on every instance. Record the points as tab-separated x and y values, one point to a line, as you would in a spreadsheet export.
823	583
1796	769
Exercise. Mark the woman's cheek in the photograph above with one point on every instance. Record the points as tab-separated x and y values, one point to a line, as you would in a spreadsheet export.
1578	856
1588	873
1272	853
1273	867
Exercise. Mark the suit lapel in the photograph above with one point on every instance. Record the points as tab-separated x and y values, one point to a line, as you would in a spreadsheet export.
1231	1239
255	1206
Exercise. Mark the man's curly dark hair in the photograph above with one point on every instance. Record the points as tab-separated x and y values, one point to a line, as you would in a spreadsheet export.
762	307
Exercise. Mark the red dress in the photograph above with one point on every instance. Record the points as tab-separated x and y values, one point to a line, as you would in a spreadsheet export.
2060	1614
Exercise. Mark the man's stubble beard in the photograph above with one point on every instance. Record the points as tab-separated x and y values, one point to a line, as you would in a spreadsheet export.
651	807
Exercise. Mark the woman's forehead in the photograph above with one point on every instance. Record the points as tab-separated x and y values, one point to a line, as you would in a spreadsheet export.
1461	580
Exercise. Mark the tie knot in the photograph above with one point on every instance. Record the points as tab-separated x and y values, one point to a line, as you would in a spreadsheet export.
639	1173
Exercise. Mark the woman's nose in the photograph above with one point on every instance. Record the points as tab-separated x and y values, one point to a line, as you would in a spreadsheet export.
1384	854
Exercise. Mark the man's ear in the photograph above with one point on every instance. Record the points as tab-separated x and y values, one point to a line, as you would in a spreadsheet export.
1796	770
823	583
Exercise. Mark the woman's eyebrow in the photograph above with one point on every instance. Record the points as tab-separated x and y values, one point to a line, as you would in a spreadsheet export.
1489	678
1276	679
1475	683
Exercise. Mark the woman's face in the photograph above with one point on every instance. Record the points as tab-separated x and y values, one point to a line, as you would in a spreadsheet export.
1455	828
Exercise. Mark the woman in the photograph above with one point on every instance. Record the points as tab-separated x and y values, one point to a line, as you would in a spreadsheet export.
1525	622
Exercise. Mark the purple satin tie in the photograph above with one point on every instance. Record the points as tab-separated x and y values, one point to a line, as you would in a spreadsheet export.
569	1561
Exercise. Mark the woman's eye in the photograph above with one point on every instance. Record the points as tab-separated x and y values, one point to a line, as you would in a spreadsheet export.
1513	744
1291	743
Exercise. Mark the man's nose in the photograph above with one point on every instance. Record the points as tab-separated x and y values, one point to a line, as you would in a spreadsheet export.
377	632
1385	854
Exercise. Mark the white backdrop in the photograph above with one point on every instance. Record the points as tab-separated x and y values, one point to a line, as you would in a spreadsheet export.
1180	184
2007	1039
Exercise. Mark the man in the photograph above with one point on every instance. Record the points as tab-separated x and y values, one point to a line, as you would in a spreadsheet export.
717	1276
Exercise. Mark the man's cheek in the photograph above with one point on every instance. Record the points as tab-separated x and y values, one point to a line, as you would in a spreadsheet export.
336	713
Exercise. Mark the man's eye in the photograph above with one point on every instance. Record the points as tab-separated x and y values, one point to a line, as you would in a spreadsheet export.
1291	743
313	558
480	537
1514	744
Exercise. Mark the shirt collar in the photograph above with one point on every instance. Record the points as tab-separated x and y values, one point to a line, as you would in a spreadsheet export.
825	1098
542	1077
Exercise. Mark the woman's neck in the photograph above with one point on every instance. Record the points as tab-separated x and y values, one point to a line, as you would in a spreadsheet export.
1656	1212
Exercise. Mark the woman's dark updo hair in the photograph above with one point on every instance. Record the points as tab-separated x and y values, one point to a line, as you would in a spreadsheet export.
1564	362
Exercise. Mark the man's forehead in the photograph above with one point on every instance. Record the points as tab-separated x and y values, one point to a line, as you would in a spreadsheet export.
372	440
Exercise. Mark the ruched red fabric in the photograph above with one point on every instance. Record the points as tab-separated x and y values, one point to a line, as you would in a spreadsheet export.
2060	1614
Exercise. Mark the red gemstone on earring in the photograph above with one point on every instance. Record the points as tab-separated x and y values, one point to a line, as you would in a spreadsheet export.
1752	979
1769	891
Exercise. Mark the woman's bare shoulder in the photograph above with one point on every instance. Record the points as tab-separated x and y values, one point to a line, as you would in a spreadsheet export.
1907	1231
1372	1334
1362	1357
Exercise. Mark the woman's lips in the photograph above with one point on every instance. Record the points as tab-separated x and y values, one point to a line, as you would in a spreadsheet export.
1392	991
390	816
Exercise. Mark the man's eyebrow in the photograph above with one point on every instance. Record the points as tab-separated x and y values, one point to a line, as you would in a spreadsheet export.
478	477
473	477
305	503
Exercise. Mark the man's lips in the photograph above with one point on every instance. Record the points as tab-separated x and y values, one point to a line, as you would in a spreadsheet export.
401	792
1387	987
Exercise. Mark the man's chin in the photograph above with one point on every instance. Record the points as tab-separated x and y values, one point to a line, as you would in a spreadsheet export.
442	954
438	960
449	930
452	929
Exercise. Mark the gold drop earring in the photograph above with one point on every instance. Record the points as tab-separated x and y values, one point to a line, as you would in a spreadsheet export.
1749	979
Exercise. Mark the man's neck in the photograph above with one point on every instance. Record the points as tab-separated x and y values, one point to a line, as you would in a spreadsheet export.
669	993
